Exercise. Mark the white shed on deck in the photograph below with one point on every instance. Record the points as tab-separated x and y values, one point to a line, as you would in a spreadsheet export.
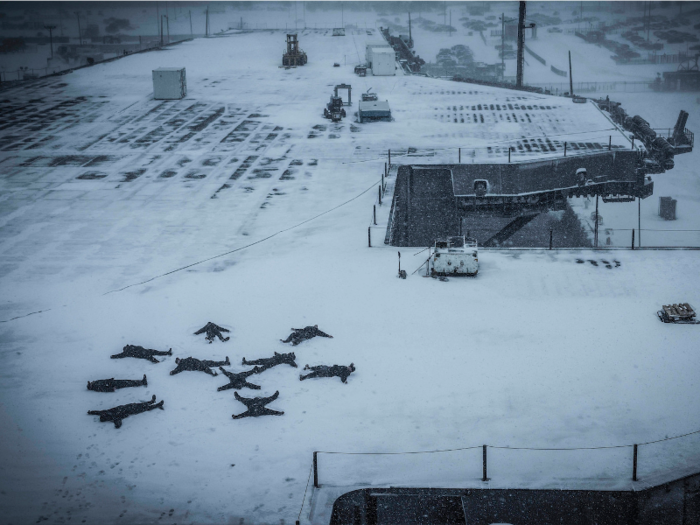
371	46
383	61
169	83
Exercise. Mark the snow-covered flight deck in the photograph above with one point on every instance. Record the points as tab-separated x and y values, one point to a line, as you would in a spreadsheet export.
102	187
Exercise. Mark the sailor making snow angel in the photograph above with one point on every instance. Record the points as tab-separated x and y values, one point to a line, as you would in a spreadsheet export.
117	414
212	330
192	364
343	372
256	406
239	381
302	334
110	385
269	362
139	352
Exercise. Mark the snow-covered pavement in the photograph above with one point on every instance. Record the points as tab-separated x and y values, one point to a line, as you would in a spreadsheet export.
100	193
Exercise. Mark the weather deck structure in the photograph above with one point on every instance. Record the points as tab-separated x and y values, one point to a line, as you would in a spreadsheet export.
443	506
431	201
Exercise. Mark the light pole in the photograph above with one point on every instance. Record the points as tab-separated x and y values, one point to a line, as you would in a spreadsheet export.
521	44
50	28
167	27
503	42
80	34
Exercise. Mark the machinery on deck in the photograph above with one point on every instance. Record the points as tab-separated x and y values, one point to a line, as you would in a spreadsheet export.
681	313
294	56
682	138
369	96
371	108
455	256
407	58
334	109
660	151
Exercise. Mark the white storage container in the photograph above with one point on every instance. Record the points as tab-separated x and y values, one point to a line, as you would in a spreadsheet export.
383	61
368	50
169	83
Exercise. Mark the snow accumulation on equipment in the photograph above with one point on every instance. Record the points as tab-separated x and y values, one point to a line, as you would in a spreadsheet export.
681	313
169	83
455	256
374	110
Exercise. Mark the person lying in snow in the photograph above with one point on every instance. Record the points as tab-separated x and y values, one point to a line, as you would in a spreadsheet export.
197	365
110	385
213	331
269	362
256	406
329	371
238	381
116	414
140	352
302	334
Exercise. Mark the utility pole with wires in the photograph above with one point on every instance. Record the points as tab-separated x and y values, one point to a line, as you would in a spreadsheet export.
521	44
191	32
503	44
648	19
571	78
580	12
50	28
80	34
